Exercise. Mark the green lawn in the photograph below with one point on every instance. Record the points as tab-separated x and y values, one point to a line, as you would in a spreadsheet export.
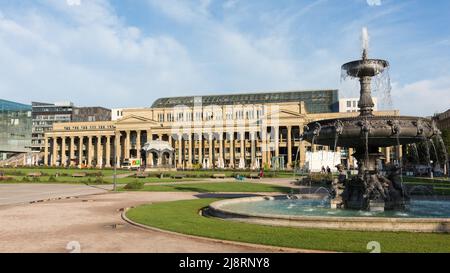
218	187
52	171
183	217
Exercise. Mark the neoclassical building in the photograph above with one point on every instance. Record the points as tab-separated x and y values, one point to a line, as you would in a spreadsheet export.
221	131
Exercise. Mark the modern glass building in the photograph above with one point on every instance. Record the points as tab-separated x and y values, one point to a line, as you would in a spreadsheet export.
316	101
15	128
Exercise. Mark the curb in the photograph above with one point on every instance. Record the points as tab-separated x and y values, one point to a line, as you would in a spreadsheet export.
220	241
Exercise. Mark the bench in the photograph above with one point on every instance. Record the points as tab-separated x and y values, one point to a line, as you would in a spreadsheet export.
178	176
218	175
254	176
36	174
79	175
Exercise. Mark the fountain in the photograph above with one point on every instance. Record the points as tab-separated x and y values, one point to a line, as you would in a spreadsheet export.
374	199
370	190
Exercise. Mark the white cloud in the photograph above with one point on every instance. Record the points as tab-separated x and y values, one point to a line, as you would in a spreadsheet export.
73	2
374	2
422	98
103	62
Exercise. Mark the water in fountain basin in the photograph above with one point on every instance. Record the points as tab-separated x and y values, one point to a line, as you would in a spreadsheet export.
319	207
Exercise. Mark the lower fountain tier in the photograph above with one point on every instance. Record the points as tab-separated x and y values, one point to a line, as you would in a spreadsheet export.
381	131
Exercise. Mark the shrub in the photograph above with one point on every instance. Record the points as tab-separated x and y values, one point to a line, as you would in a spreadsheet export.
135	185
99	180
52	178
26	179
318	178
94	174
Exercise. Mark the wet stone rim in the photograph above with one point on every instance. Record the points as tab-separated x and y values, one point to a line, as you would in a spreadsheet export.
216	209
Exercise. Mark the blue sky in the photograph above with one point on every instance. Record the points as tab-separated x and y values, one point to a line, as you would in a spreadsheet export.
127	53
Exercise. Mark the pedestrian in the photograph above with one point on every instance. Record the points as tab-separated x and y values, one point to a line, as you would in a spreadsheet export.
328	170
261	173
323	169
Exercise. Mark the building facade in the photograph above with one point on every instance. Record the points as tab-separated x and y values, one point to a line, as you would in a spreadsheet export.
47	114
227	131
117	113
15	128
348	105
443	120
44	116
81	114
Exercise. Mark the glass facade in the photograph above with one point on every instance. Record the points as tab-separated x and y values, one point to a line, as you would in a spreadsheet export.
15	127
318	101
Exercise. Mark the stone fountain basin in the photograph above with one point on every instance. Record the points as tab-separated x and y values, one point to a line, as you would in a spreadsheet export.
382	131
365	68
219	209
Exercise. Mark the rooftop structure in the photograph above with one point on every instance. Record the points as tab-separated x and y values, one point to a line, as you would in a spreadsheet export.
316	101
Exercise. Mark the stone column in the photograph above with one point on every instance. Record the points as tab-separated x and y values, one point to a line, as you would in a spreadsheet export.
221	157
263	148
302	149
242	143
90	152
200	148
350	157
127	144
138	144
232	150
189	164
388	154
118	149
72	150
80	152
277	141
253	148
149	136
210	155
268	150
108	152
63	152
289	147
180	150
55	151
99	152
45	151
400	153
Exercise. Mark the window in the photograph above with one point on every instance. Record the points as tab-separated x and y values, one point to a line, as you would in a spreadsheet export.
349	104
161	117
354	103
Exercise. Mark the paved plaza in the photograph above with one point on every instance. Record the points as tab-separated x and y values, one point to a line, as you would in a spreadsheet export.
93	219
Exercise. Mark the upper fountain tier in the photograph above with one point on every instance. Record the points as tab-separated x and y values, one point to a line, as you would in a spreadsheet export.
365	68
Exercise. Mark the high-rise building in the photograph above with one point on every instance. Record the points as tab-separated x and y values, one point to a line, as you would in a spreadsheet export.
15	128
349	105
46	114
